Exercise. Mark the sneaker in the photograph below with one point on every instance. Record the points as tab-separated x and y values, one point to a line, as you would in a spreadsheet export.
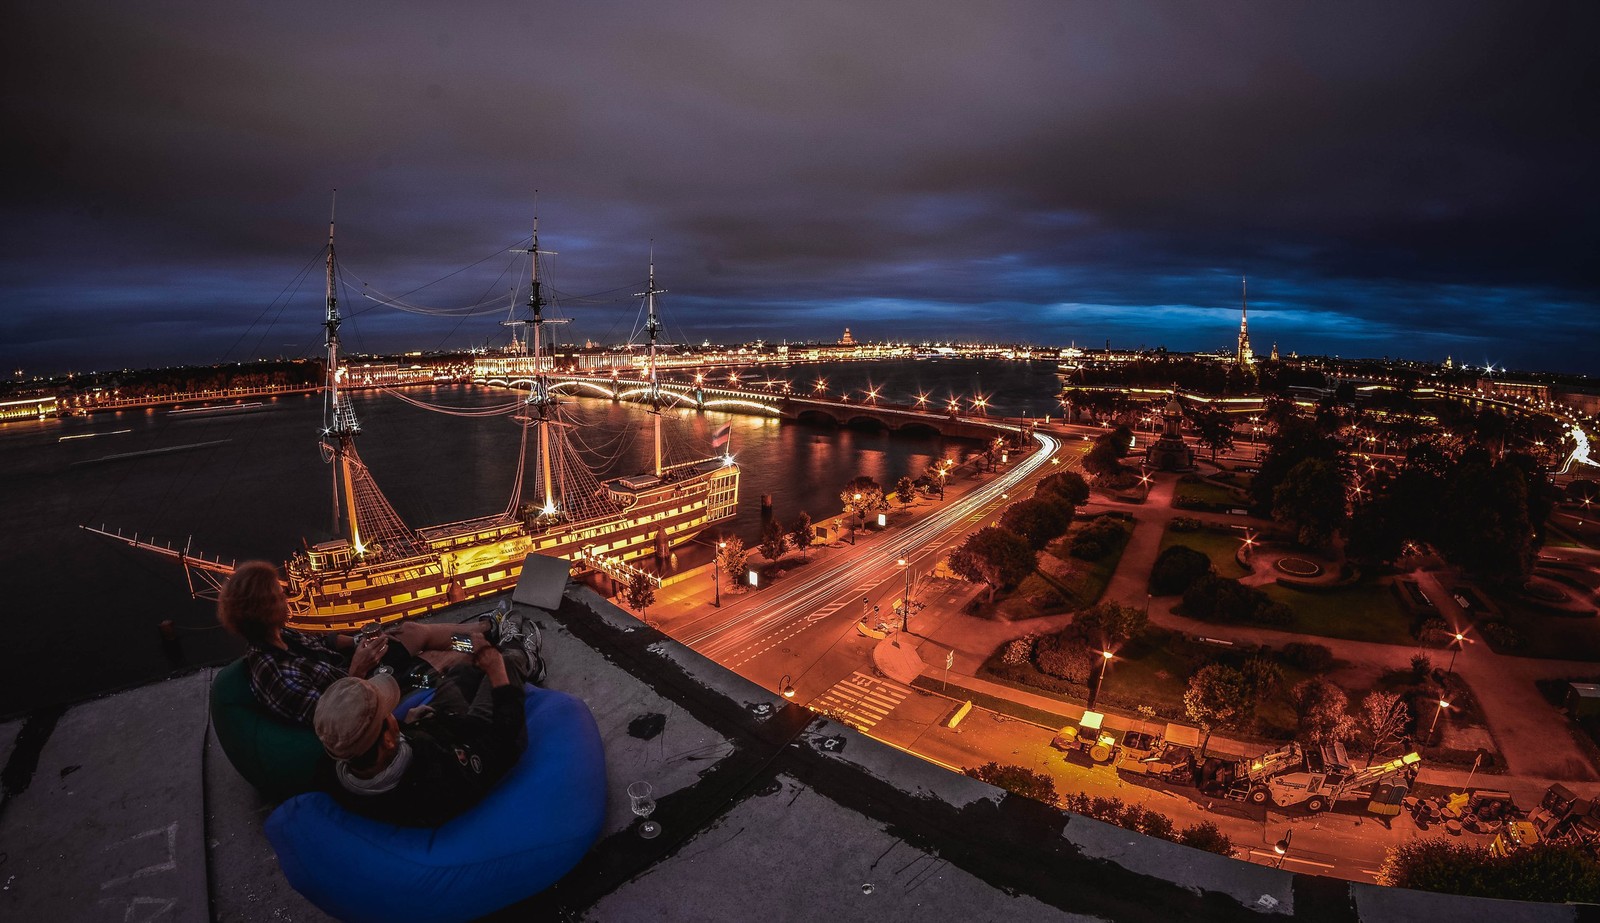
532	645
493	620
510	630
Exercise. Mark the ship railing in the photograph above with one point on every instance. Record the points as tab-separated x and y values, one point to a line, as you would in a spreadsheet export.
613	567
204	575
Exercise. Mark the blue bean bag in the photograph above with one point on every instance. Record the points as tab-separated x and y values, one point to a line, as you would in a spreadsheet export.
531	830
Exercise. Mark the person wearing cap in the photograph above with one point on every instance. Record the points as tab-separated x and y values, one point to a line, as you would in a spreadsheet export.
444	758
288	669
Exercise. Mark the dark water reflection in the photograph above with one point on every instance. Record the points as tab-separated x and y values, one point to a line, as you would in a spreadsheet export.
81	611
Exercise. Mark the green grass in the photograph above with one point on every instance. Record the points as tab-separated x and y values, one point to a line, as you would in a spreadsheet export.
1365	611
1208	493
1218	546
1555	637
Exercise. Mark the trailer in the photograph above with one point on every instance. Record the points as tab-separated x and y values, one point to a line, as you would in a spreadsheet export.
1329	778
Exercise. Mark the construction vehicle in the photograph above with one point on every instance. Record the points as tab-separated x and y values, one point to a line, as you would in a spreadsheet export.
1247	780
1564	817
1169	756
1329	778
1090	736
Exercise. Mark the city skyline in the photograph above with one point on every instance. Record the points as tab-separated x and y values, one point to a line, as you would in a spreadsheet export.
1411	183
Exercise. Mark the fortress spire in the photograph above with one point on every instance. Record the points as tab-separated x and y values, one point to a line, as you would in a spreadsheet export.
1245	357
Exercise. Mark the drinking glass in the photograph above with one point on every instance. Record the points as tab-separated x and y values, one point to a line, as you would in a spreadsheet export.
643	805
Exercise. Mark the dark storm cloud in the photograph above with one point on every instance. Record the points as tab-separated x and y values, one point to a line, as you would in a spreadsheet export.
1396	179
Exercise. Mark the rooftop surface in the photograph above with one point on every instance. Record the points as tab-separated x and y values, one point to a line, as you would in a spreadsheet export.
124	808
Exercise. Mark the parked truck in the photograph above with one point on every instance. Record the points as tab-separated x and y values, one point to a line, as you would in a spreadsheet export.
1329	778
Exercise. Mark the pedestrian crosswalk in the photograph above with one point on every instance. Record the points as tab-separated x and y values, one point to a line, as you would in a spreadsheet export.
860	700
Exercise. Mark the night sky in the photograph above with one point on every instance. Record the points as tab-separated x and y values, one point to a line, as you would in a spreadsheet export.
1396	179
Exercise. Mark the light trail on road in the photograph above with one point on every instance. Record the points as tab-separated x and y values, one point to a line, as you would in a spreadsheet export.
810	599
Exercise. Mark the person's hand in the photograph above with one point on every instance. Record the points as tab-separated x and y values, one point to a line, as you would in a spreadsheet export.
487	658
369	652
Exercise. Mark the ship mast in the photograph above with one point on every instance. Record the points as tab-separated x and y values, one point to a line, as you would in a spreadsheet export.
652	325
340	423
539	398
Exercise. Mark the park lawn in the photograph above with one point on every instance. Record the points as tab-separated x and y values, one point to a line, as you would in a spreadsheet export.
1086	582
1207	492
1553	637
1220	547
1364	611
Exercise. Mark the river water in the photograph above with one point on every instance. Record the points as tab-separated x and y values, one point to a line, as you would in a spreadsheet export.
81	611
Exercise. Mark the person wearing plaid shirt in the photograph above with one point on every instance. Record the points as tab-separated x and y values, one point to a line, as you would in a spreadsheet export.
288	669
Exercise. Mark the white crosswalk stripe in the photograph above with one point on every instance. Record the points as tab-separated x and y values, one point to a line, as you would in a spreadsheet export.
861	700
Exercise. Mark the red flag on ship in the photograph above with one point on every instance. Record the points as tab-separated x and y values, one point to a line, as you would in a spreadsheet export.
720	437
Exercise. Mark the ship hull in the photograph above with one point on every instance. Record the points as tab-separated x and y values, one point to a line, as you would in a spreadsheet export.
463	561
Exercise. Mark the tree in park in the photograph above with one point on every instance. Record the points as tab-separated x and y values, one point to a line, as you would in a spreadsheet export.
1038	521
802	533
640	594
1384	717
905	491
1109	625
1483	521
1176	569
774	540
1218	696
1214	430
1311	501
862	495
995	557
1067	485
1296	440
733	558
1323	711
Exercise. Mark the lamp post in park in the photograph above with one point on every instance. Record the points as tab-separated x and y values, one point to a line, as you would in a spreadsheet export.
1461	640
1443	704
1099	679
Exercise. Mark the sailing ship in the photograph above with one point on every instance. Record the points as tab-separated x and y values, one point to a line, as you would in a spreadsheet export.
378	568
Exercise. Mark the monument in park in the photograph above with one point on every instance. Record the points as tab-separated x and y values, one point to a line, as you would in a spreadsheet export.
1169	453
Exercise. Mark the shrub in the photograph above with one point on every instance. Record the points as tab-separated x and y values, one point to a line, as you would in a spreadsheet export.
1136	817
1063	655
1221	599
1501	635
1018	780
1546	872
1018	651
1184	524
1303	655
1421	666
1206	835
1176	569
1096	537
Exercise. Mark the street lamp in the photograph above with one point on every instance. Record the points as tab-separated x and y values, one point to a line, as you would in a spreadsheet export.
855	516
716	573
905	601
1099	679
786	686
1282	847
1442	706
1461	640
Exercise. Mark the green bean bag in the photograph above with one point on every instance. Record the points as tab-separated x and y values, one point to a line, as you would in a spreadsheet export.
277	757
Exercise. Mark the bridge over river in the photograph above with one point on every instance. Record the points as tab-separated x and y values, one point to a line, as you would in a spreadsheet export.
893	417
